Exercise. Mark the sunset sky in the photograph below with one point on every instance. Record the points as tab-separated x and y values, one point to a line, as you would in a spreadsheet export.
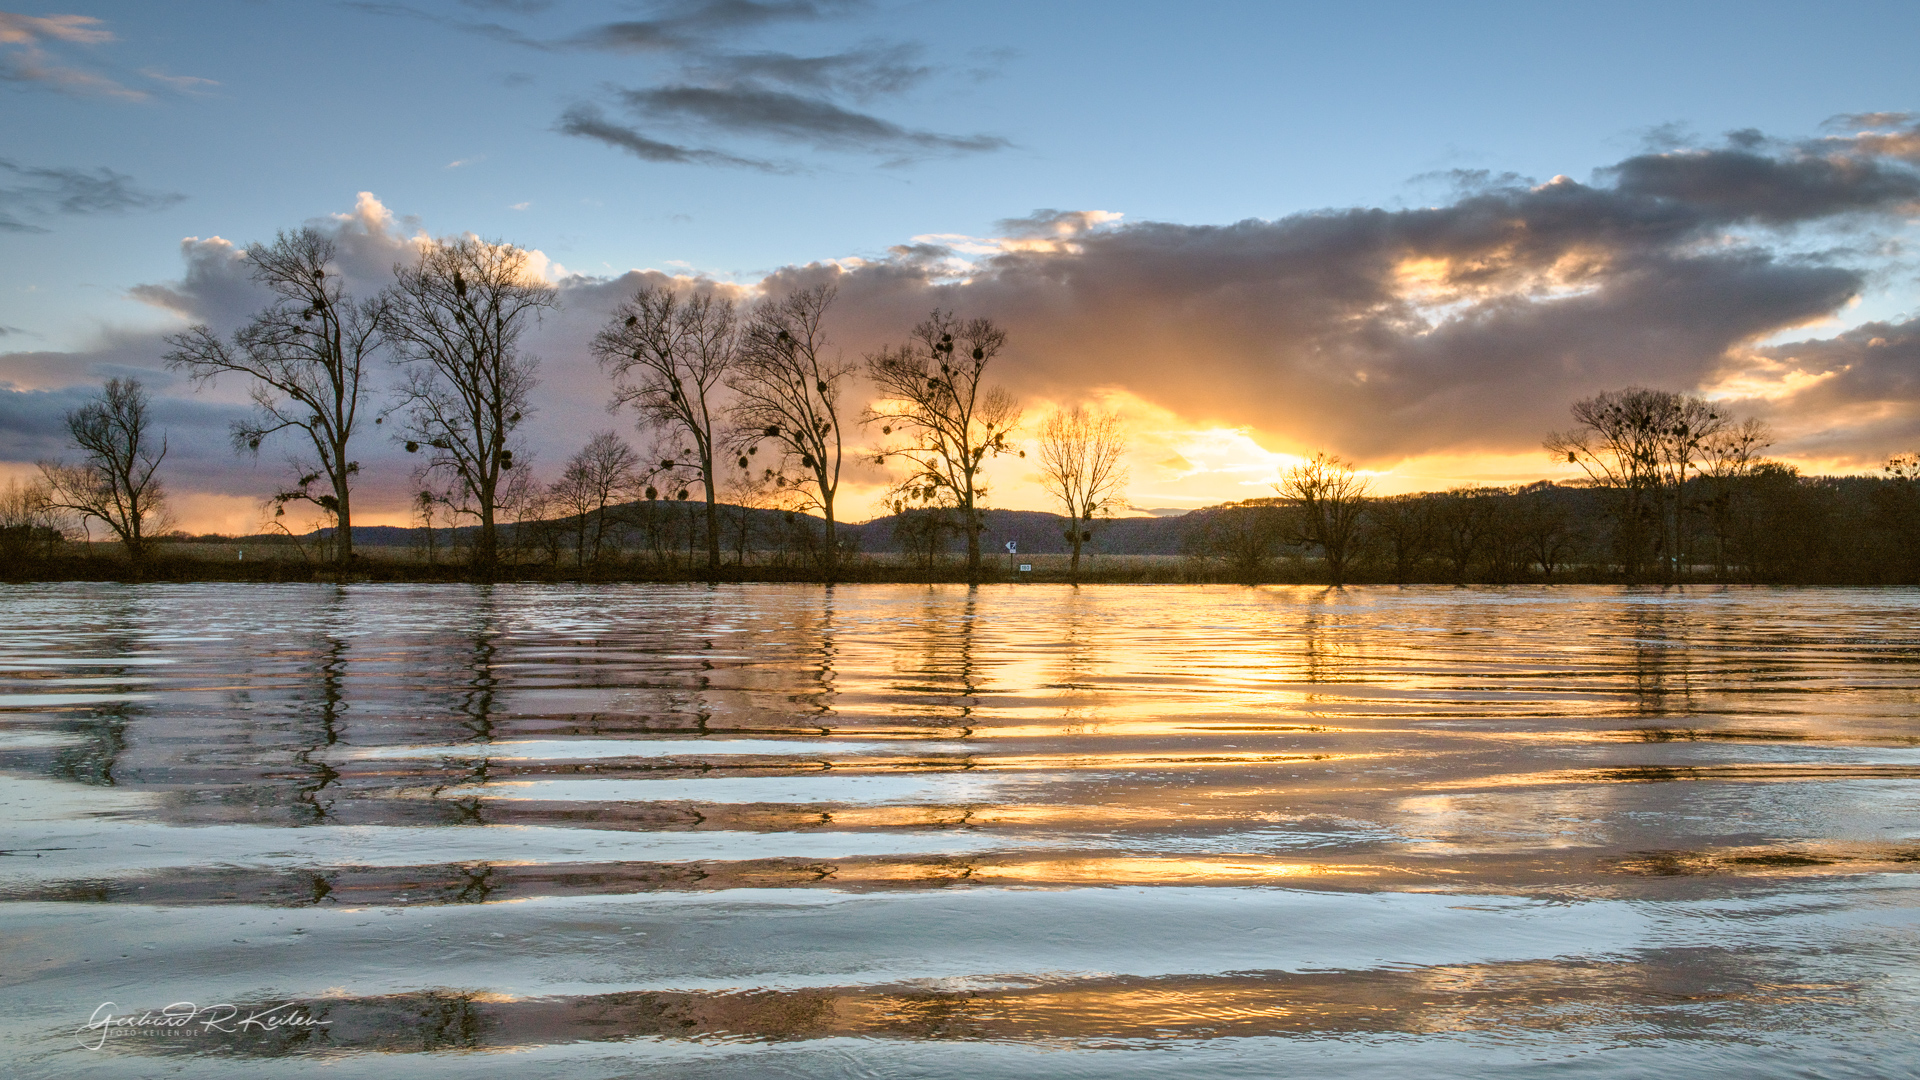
1410	235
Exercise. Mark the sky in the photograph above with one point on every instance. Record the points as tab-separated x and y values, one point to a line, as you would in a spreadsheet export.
1410	235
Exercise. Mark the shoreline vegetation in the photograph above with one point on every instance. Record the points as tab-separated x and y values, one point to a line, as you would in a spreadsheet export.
1771	528
374	568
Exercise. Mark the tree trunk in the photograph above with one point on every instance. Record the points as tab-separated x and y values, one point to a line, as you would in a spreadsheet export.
713	535
974	525
343	526
1073	573
833	539
485	548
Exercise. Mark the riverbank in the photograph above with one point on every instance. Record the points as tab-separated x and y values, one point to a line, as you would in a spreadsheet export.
211	562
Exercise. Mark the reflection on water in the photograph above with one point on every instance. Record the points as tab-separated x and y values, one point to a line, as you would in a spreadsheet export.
867	831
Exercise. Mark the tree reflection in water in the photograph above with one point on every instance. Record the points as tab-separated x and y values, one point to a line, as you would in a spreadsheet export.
854	820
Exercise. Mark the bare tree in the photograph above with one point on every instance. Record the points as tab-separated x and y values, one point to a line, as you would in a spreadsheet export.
1243	536
118	481
751	494
604	473
1463	521
1617	446
1080	466
29	518
1543	527
1404	524
923	532
787	393
306	355
949	421
669	354
1330	496
1642	444
1896	505
454	319
1728	456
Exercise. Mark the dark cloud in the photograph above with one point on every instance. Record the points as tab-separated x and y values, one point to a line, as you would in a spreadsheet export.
1054	222
773	94
587	122
863	73
33	428
494	31
516	7
1744	183
38	388
1466	327
1869	120
684	25
921	252
217	288
1861	395
744	109
1891	135
33	191
734	93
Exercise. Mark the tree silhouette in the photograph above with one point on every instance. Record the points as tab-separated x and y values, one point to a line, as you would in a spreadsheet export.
306	355
947	422
454	319
1080	467
117	483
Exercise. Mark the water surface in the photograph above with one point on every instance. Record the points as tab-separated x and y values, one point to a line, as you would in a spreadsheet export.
907	831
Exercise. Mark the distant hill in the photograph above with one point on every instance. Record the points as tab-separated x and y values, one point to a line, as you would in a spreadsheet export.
1032	532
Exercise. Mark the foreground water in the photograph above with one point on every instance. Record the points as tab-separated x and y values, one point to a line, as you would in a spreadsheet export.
450	831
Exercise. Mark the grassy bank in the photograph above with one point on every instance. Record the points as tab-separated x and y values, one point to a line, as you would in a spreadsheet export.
188	562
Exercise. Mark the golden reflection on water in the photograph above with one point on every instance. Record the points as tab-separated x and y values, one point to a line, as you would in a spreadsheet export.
514	750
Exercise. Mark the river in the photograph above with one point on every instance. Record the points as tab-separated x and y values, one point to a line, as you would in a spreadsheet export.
1024	830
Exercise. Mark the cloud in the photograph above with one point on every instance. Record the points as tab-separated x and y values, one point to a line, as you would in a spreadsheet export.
764	94
683	25
1746	184
1458	332
185	84
815	121
29	29
516	7
494	31
1857	395
27	61
32	425
1057	223
1463	328
588	122
216	287
38	192
33	428
864	73
733	93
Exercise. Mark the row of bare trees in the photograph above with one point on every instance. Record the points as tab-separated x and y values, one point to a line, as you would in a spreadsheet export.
712	382
452	322
722	384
